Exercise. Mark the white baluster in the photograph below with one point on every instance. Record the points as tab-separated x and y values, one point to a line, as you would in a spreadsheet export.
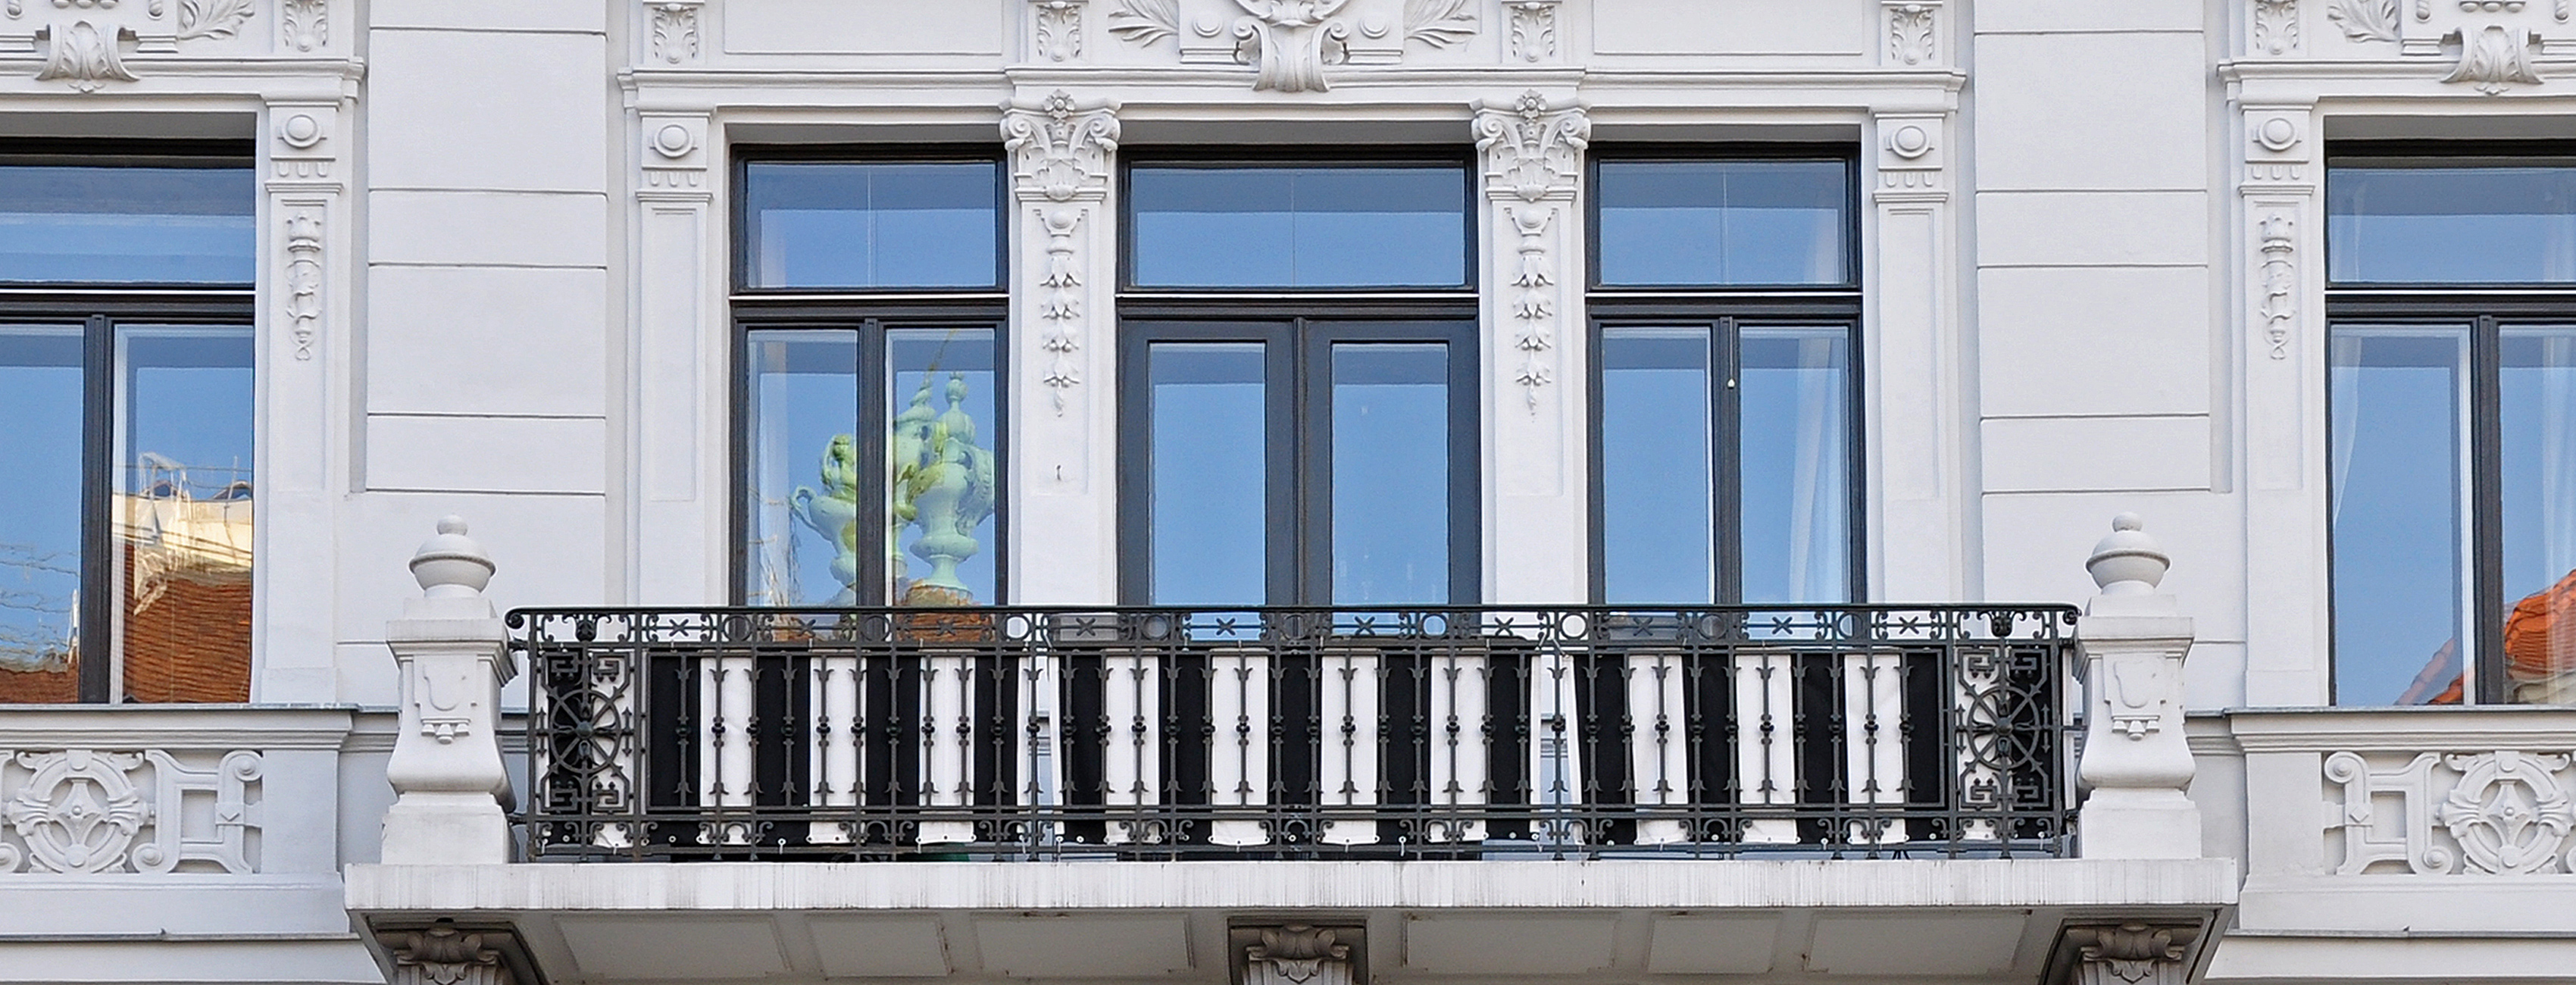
1766	729
1351	723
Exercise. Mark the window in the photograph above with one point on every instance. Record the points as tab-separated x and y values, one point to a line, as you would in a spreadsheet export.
1725	311
126	372
2451	400
870	312
1299	391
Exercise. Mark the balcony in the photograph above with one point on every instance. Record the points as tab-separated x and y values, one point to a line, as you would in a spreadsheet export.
1276	733
1462	793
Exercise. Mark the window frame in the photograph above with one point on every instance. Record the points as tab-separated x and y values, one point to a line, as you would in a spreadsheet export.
869	312
97	308
2483	309
1295	156
1725	310
1298	379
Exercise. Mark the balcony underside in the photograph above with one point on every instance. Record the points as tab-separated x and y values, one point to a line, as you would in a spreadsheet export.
1484	921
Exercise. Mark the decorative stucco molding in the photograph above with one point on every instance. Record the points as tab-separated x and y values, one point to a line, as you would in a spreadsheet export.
2508	812
444	953
1290	43
304	25
89	811
1298	954
1061	149
1055	29
2276	26
301	302
1531	35
1533	156
2491	46
84	42
1912	32
673	31
2131	954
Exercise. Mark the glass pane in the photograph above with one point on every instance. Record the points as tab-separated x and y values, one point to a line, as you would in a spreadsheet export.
944	479
2539	422
183	512
803	526
2400	588
1796	405
2451	225
1390	474
40	452
1299	227
1211	473
873	225
1657	490
127	225
1724	222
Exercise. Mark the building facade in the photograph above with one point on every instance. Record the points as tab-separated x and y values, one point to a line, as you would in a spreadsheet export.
1566	491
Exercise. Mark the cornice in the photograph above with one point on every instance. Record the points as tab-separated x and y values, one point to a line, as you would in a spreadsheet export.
2402	730
174	727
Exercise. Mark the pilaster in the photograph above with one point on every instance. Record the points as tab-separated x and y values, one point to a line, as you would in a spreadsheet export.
2281	358
1915	416
1537	525
1063	231
306	278
679	359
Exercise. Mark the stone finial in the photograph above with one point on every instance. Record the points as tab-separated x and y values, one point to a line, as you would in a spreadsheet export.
450	564
2128	562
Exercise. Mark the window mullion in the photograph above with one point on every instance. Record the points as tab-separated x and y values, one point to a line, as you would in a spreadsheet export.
2486	481
876	536
99	574
1725	399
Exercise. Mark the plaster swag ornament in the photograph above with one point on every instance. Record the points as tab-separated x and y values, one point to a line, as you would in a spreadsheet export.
2276	26
675	32
1062	308
2508	812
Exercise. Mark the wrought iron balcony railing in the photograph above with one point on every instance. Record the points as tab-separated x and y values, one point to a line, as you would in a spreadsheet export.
1452	732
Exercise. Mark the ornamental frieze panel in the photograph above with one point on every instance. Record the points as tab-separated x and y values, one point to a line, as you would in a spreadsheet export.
89	811
2488	46
2506	813
1294	45
90	45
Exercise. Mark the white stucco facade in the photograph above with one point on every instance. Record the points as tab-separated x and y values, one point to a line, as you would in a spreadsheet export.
496	267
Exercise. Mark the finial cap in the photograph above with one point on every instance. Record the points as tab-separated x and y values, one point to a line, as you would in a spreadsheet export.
450	563
2128	562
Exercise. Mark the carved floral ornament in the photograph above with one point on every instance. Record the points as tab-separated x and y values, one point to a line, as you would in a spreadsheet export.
2508	812
1290	43
2491	45
83	811
1533	154
1060	152
84	43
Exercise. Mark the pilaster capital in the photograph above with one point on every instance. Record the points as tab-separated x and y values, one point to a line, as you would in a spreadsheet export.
1532	149
1299	954
675	156
443	952
2133	952
1060	147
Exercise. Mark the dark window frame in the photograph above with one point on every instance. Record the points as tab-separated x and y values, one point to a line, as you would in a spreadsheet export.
97	309
1297	156
870	312
2440	153
739	237
1298	326
1725	310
